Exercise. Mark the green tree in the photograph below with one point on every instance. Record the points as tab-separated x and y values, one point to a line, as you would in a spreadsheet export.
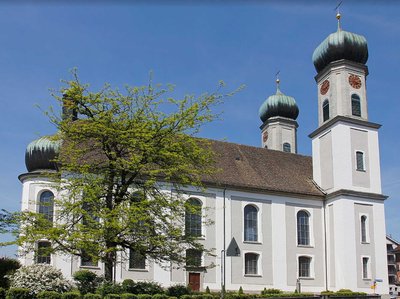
122	153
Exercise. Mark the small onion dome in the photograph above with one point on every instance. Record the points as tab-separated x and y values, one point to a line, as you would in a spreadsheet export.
340	45
279	105
40	154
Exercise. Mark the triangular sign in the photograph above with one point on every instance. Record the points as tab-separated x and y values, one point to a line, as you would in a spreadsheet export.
233	248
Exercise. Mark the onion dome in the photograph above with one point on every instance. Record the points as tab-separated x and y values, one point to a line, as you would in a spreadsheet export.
279	104
40	154
340	45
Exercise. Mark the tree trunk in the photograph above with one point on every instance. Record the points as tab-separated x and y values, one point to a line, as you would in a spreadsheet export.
109	267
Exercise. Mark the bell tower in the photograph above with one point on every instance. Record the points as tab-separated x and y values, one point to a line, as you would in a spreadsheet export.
279	129
346	166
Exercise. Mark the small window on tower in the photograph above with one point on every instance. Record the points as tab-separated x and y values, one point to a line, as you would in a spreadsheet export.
325	110
360	161
355	105
286	147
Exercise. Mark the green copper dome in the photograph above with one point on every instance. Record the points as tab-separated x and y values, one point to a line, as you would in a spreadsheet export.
340	45
40	154
279	104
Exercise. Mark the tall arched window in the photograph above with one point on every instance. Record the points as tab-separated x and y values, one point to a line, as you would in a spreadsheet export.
304	266
363	228
355	105
303	228
250	223
46	205
193	217
251	263
286	147
325	110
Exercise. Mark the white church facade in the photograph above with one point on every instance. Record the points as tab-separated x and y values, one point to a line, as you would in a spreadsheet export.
279	218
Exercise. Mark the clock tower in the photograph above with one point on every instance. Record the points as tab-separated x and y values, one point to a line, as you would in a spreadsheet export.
346	166
279	129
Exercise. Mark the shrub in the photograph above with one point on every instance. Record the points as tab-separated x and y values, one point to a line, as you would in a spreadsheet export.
92	296
147	287
178	290
109	288
144	296
207	296
240	292
7	267
48	295
172	297
112	296
71	295
2	293
186	297
128	295
19	293
39	278
128	286
86	281
208	290
345	291
160	296
271	291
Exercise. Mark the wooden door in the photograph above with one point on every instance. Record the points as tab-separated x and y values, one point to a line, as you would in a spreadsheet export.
194	281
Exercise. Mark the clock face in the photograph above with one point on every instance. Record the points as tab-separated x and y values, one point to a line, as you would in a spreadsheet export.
355	81
324	87
265	137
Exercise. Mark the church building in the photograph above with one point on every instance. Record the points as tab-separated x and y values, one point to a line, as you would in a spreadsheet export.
280	219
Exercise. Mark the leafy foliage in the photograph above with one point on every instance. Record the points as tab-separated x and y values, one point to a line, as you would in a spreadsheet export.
271	291
39	278
20	293
113	164
48	295
178	290
92	296
2	293
7	267
128	296
240	292
86	281
71	295
108	287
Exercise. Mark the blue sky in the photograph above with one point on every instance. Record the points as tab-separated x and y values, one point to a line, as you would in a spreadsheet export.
192	46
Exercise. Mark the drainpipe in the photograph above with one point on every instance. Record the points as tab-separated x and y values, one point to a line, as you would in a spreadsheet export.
223	256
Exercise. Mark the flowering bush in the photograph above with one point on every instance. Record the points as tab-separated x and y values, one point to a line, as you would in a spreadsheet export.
39	278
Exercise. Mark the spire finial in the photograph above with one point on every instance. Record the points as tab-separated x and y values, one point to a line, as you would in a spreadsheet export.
277	80
338	15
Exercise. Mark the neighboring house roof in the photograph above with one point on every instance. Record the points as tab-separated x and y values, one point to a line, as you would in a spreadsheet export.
389	238
256	168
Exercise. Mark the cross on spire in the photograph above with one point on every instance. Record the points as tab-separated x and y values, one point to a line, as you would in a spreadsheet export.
338	15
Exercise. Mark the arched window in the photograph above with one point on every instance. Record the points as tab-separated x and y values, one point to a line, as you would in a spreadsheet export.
251	263
286	147
303	228
325	110
193	217
355	105
43	253
304	266
250	223
360	161
46	205
365	266
363	228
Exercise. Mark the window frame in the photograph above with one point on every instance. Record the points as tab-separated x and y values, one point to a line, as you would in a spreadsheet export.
366	268
258	264
37	256
309	228
257	222
311	269
188	231
48	207
325	111
363	169
198	258
286	147
367	237
355	98
131	266
88	263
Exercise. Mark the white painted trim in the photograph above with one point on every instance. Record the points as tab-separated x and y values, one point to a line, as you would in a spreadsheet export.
258	206
312	268
259	264
369	274
355	159
310	224
367	234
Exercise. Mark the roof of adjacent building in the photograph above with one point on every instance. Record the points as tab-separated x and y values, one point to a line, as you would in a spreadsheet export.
257	168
